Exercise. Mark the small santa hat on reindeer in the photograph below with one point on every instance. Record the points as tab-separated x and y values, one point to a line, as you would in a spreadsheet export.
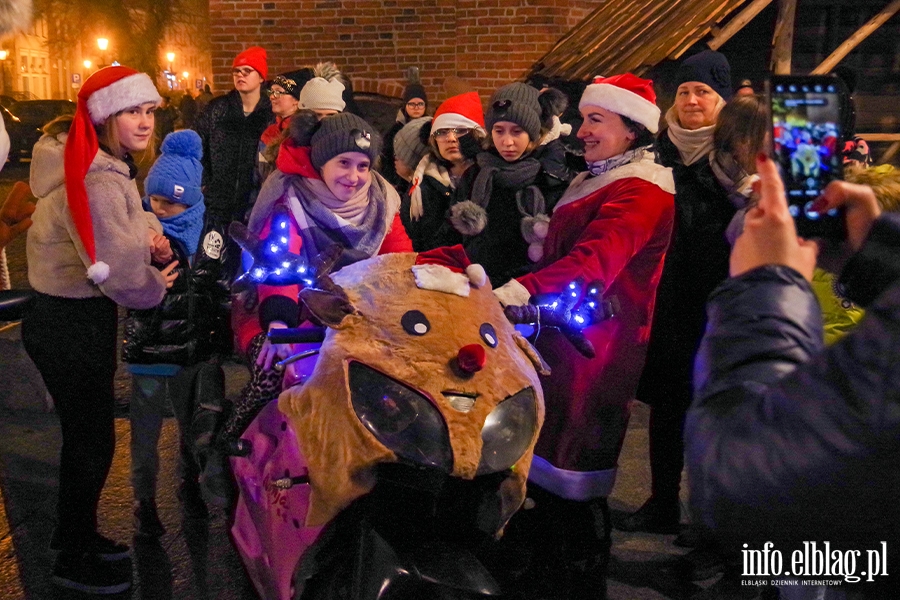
105	93
447	269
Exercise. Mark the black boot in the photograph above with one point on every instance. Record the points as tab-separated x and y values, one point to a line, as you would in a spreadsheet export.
146	519
655	516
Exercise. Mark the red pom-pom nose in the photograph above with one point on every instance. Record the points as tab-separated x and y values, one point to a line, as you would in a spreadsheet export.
471	358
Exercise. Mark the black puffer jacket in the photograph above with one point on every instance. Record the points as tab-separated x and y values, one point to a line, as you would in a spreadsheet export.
789	442
191	323
230	145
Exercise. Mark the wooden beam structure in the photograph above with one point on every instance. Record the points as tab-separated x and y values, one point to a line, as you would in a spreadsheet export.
632	36
880	137
889	153
854	40
737	23
783	40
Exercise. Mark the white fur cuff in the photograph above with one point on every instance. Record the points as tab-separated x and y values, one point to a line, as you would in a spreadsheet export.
512	293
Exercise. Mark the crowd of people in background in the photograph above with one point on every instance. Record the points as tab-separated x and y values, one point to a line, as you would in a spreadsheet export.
643	205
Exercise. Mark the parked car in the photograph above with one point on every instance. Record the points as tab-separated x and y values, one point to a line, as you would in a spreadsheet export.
25	121
7	101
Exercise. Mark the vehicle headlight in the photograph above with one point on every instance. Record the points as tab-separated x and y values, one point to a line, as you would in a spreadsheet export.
402	419
508	432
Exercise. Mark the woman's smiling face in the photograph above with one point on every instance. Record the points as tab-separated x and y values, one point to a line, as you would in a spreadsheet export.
346	173
604	134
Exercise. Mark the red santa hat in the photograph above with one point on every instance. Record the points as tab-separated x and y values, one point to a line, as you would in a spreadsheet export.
460	111
105	93
255	58
447	269
626	95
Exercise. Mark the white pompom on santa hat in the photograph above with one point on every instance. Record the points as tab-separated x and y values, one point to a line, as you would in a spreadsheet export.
105	93
626	95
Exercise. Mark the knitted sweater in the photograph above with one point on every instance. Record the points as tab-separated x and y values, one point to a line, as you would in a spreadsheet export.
57	260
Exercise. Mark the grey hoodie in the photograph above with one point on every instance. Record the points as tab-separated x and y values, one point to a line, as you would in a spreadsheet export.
57	260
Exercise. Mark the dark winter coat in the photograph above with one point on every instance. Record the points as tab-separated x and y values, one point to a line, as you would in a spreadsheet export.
230	144
696	263
556	174
501	248
386	168
190	323
788	442
433	229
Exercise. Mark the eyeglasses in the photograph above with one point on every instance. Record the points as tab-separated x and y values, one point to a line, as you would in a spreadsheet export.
276	93
442	134
242	72
415	105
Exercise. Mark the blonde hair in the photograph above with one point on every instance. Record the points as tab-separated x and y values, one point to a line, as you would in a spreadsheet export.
108	135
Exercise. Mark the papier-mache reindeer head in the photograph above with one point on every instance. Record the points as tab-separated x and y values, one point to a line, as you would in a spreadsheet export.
419	365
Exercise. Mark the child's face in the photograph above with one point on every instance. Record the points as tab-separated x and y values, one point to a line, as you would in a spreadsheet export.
510	140
163	208
346	173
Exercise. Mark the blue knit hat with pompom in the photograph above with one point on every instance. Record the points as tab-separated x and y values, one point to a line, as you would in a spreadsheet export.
177	173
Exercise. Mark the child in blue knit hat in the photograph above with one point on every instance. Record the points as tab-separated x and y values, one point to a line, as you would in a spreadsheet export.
171	350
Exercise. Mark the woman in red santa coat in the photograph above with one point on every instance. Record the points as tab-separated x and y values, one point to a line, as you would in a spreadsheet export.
612	226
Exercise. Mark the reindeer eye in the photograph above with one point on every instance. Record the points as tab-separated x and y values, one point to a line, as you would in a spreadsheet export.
415	323
488	334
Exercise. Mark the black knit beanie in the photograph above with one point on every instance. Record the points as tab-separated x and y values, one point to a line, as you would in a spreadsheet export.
709	67
343	132
293	81
414	90
516	103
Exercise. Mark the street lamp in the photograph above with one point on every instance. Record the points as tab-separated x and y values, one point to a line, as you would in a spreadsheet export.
3	56
102	44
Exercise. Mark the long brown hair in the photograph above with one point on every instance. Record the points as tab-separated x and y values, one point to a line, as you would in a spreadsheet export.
741	129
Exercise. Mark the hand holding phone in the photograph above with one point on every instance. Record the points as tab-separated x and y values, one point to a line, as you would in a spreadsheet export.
808	131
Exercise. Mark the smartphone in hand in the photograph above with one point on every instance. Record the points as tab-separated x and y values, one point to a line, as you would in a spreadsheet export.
808	122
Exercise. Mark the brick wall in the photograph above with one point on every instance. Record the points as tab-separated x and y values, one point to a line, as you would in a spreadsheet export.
486	42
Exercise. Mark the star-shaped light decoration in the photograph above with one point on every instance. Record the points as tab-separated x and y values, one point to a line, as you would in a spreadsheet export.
273	262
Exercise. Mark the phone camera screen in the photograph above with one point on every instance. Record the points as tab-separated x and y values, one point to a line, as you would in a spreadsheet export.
806	138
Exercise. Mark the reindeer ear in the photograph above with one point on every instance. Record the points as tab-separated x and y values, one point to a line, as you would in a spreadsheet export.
531	352
327	306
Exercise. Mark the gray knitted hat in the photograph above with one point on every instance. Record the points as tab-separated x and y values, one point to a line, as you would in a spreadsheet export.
517	103
343	132
408	144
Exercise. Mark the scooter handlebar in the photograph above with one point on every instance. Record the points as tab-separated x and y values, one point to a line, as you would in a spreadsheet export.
297	335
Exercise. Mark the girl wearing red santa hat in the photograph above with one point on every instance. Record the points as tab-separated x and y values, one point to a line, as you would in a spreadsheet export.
611	226
443	178
89	249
